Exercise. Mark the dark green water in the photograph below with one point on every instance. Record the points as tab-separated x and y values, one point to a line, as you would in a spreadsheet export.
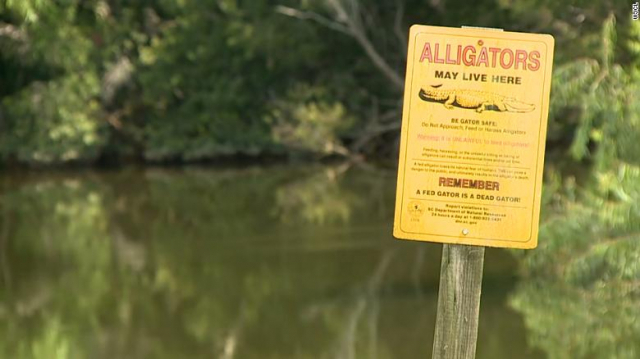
278	262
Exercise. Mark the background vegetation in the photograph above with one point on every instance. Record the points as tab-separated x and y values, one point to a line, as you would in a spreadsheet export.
180	81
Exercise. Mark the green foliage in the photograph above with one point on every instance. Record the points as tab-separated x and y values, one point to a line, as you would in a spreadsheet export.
57	122
582	295
171	80
168	80
199	104
602	95
582	299
306	121
55	114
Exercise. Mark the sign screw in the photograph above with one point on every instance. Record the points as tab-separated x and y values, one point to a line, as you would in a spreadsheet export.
465	231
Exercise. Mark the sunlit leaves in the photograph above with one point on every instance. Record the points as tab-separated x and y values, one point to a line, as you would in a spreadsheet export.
306	120
57	121
601	94
583	293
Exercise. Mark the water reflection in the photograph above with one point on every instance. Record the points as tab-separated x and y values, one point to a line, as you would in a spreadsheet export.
280	262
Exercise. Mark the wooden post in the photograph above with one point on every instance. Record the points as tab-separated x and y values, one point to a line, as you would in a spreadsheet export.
459	298
458	302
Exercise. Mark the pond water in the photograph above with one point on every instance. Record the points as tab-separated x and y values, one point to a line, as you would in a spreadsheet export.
261	262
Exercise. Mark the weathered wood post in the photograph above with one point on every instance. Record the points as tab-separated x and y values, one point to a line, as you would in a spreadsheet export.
471	157
458	312
458	302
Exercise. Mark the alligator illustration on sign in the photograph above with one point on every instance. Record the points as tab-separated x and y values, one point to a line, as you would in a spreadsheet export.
473	99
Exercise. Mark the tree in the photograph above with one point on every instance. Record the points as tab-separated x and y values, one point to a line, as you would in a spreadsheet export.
582	290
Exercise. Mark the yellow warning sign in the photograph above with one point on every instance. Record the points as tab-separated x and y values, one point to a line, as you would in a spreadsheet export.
473	136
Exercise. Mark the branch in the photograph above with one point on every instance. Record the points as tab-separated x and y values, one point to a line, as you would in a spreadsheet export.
372	134
380	63
310	15
350	23
12	32
354	24
397	27
341	13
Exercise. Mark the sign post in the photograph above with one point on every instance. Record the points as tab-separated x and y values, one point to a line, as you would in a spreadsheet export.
458	302
471	158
